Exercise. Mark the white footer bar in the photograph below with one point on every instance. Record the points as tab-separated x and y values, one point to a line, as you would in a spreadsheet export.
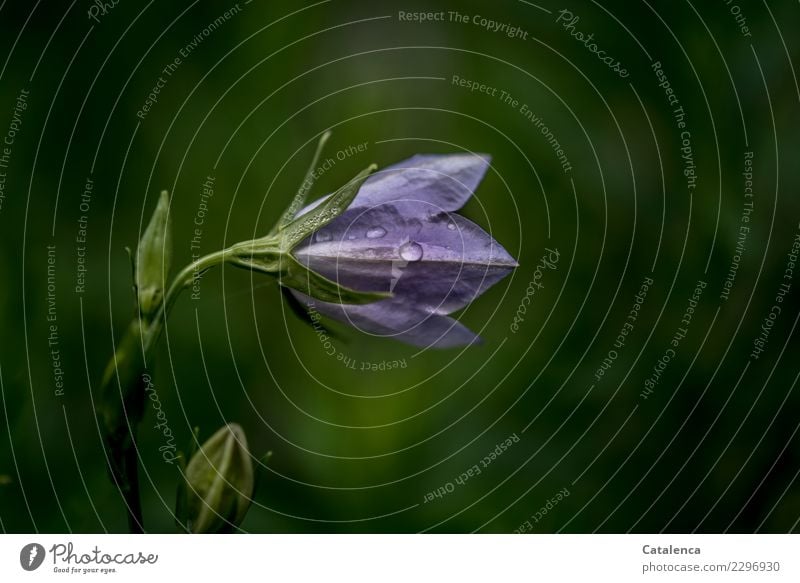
400	558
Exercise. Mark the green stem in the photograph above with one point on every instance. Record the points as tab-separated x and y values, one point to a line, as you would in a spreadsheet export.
122	408
179	283
132	497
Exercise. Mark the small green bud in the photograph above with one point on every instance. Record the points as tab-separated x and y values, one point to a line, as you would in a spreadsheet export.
218	484
153	258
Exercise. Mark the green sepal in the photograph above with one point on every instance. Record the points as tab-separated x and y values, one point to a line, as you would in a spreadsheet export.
297	276
272	254
303	226
305	187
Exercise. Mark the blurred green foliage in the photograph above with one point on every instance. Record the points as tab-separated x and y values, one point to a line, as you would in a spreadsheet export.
357	450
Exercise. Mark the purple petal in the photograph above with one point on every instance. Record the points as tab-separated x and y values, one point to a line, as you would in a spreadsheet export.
445	181
437	263
398	235
395	319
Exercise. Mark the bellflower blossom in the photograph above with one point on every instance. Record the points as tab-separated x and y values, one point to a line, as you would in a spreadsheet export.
400	236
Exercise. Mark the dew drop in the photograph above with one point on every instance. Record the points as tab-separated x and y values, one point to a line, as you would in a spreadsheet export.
352	237
376	233
323	236
451	226
411	251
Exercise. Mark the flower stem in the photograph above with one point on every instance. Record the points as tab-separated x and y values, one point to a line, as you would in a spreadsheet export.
133	499
179	283
122	407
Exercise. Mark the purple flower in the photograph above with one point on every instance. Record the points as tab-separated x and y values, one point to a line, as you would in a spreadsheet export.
399	235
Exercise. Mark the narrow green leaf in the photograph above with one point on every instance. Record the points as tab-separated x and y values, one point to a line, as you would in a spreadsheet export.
305	187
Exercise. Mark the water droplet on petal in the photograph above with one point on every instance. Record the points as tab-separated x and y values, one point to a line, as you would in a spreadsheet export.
352	237
323	236
376	233
451	226
411	251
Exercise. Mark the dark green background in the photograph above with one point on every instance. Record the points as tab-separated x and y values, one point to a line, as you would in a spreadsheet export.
713	449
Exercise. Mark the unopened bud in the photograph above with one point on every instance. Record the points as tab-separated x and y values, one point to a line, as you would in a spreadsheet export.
153	258
218	483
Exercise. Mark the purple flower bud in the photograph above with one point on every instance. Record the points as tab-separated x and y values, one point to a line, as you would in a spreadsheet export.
399	236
